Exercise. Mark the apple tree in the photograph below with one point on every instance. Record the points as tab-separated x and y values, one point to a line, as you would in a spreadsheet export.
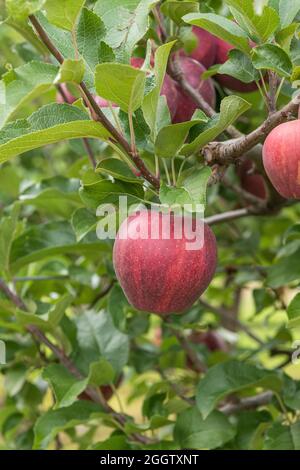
145	345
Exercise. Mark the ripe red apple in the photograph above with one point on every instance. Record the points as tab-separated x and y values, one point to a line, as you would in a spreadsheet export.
222	55
206	49
251	180
192	71
168	89
281	159
162	274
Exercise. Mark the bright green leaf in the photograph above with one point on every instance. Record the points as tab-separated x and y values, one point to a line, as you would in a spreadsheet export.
272	57
71	71
63	13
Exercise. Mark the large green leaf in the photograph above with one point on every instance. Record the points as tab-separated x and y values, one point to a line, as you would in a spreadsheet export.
220	27
171	138
126	23
54	421
230	377
272	57
90	33
121	84
239	66
99	338
21	9
8	229
284	271
260	27
175	9
287	10
51	123
193	432
283	437
231	108
23	84
42	241
293	312
63	13
151	101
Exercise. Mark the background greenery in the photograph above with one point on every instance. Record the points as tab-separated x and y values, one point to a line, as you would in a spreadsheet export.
51	258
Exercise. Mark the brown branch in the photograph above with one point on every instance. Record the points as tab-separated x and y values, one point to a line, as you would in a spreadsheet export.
225	153
96	112
198	365
248	403
227	216
103	293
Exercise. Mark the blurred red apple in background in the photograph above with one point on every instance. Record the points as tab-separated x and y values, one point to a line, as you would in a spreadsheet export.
159	273
281	159
205	52
251	180
192	71
222	55
106	390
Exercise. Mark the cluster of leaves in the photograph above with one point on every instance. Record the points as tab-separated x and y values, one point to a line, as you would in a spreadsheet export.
50	255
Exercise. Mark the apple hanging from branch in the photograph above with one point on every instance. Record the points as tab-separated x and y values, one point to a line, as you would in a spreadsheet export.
160	274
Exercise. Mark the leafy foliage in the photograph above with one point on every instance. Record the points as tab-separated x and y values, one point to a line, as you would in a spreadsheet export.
83	368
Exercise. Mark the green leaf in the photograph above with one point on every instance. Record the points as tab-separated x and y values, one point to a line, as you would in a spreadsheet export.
171	196
231	108
21	9
54	421
63	13
196	184
58	310
220	27
117	169
283	272
286	35
239	66
121	84
272	57
105	191
283	437
126	23
293	312
193	432
260	27
151	101
177	9
117	306
22	85
231	377
90	35
66	386
287	10
45	240
83	221
71	71
171	138
51	123
8	229
98	338
101	373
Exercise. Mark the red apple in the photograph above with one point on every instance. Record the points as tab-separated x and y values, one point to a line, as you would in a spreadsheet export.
192	71
222	55
168	89
206	49
281	158
251	180
162	274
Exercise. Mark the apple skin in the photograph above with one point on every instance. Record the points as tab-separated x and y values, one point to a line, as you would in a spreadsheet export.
205	52
222	55
281	159
251	180
161	275
169	89
192	71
